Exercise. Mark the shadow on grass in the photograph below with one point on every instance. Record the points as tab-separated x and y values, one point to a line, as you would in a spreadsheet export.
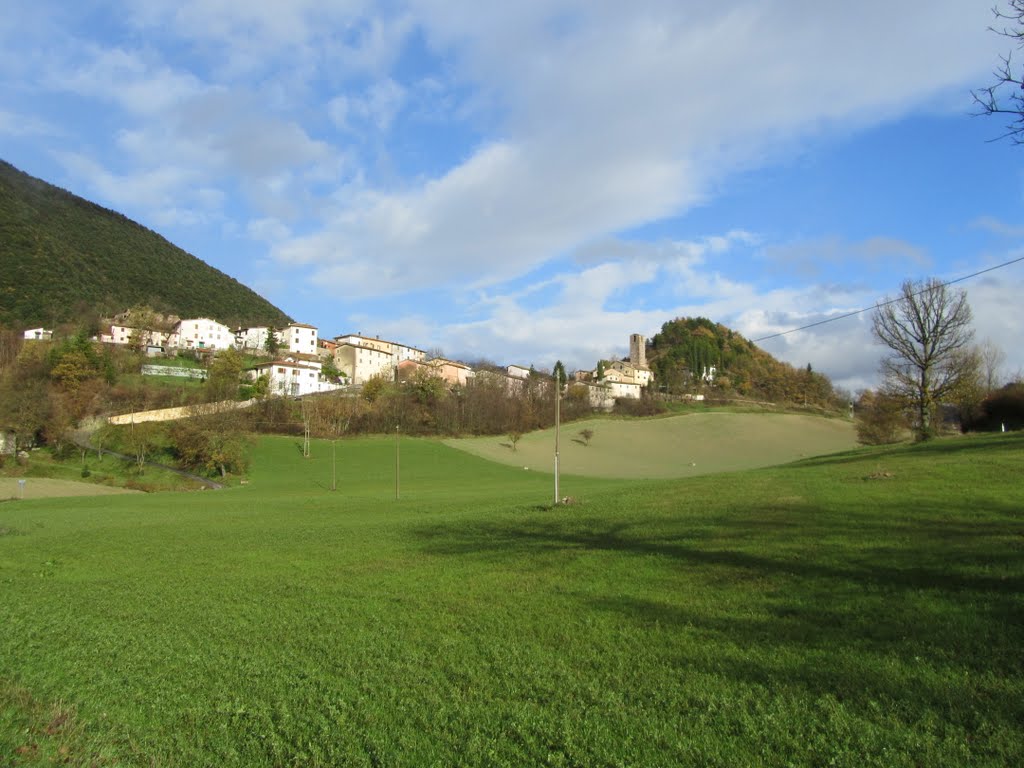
925	616
936	558
943	446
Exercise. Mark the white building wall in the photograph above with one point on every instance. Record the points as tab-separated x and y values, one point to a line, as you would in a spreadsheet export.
300	338
122	334
293	379
362	357
202	333
252	338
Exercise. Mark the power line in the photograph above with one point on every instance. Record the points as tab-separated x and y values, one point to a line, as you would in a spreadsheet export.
884	303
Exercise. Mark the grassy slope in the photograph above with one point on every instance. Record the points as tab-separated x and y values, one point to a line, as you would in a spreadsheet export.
47	487
679	446
47	476
864	609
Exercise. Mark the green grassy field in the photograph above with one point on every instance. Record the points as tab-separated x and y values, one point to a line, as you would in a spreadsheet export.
675	446
864	609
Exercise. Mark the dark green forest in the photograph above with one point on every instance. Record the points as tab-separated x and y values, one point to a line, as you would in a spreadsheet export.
64	259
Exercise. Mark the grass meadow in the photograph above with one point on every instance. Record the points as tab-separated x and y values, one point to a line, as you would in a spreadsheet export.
860	609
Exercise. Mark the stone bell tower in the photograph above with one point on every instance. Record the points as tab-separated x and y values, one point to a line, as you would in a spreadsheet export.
637	351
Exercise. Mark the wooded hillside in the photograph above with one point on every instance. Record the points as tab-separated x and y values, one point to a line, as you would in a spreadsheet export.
680	352
63	258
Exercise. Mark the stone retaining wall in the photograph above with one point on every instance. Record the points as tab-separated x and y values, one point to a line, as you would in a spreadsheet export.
183	412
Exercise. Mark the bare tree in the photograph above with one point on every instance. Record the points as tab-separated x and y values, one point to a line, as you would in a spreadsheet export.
992	360
926	328
1006	95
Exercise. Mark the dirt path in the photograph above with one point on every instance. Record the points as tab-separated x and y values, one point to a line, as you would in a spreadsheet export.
48	487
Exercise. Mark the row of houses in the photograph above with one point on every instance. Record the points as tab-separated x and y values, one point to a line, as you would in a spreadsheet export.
297	367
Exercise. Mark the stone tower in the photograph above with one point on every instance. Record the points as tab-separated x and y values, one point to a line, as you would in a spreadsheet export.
637	351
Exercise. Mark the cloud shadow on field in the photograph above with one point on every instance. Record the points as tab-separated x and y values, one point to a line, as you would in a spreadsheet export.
866	611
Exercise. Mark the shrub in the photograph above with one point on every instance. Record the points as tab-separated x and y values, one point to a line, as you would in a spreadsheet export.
1004	407
645	406
881	419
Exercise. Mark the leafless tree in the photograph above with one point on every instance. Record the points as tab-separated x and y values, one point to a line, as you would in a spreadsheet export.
1006	95
992	359
926	328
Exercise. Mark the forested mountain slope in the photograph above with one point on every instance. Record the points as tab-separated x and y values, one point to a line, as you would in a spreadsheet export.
64	259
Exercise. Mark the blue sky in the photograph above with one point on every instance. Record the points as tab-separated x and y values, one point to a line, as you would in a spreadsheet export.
536	180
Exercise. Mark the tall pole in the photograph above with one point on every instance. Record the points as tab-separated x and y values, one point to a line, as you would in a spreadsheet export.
305	431
397	463
558	399
334	466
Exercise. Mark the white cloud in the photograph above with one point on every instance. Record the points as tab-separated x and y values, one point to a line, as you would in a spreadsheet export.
265	38
994	300
270	230
15	124
810	258
157	188
378	107
617	116
997	227
127	79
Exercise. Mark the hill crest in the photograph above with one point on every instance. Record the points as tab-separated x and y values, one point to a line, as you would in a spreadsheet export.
66	260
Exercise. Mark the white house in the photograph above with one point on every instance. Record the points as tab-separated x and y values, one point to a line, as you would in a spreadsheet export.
518	371
293	376
125	334
38	334
254	338
299	338
201	333
603	395
641	375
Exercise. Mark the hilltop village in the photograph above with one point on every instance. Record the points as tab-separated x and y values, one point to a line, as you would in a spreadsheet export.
298	362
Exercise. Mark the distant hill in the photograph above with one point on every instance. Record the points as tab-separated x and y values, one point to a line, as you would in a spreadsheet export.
686	346
64	259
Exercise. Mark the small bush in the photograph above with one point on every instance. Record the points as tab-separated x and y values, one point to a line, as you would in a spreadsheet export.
881	419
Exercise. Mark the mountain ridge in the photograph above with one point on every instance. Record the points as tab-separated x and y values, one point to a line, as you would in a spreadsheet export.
64	258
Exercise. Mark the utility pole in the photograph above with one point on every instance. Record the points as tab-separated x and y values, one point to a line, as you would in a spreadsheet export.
397	464
558	400
334	466
305	433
